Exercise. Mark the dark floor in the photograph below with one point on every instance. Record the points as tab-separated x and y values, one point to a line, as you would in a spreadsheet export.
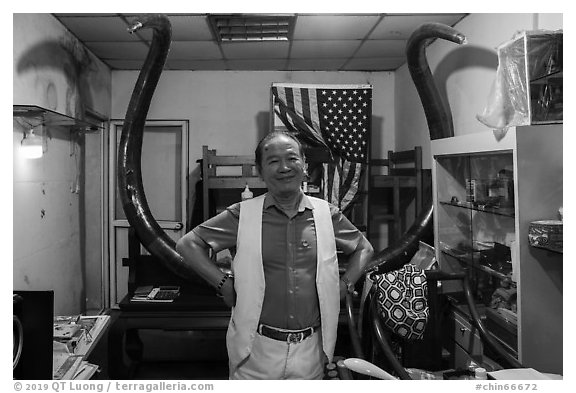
190	355
185	355
166	370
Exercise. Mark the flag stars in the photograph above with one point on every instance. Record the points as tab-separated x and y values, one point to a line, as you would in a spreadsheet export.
343	114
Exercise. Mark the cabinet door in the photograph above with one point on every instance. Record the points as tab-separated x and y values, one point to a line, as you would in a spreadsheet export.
476	234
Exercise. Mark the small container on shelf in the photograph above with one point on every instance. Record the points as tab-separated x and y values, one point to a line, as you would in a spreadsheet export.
546	234
247	193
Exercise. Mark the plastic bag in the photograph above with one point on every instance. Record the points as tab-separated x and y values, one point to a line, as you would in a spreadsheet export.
522	61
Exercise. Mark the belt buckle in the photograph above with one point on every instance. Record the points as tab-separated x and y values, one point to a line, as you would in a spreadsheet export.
295	338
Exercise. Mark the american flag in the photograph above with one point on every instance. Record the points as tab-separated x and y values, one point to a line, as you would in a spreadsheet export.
334	116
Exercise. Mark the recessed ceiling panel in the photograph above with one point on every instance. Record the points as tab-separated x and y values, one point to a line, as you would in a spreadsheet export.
322	49
255	50
251	27
331	27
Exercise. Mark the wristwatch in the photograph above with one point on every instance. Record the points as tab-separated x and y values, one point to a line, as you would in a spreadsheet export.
349	286
221	284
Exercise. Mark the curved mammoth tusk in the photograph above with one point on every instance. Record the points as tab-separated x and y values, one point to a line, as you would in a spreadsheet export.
439	120
130	187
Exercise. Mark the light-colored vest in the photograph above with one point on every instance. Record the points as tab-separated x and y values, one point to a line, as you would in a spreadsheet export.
249	279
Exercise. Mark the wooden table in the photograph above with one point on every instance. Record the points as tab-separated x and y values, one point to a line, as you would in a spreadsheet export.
188	312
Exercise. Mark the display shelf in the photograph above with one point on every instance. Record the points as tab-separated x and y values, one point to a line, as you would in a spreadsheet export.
49	117
472	262
509	212
520	171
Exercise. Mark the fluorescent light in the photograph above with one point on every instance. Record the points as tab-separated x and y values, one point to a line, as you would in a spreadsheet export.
31	145
252	27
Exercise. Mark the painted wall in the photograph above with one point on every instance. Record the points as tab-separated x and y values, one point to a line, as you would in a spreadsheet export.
230	110
225	106
464	73
52	70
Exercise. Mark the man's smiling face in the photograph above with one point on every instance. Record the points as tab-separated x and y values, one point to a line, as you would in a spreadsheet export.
282	166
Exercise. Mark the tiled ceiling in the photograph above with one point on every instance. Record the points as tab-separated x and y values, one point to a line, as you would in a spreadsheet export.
320	42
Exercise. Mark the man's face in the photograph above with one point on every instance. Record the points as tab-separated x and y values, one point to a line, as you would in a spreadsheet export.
282	166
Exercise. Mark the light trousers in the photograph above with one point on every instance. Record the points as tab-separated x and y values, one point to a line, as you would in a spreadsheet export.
273	359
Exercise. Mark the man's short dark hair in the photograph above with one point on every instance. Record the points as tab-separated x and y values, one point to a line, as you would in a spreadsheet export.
271	135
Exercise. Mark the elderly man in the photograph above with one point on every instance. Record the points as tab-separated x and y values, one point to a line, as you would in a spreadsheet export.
285	290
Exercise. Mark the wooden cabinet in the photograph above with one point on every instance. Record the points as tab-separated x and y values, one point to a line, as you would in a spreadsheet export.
487	189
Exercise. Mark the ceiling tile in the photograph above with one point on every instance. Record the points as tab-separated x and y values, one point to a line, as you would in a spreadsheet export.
398	26
194	50
99	28
315	64
375	64
382	48
257	64
215	65
190	28
255	50
320	42
119	50
332	49
330	27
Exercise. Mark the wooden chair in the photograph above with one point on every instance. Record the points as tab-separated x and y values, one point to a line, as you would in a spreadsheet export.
245	174
404	172
235	172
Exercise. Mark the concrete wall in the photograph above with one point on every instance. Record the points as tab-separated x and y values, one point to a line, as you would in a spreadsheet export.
464	73
50	245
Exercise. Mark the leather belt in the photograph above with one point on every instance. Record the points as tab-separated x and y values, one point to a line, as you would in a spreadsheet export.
289	336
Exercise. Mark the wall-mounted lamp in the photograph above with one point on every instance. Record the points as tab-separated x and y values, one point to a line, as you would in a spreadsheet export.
32	146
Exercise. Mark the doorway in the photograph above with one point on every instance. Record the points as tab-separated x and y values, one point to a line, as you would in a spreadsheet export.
164	178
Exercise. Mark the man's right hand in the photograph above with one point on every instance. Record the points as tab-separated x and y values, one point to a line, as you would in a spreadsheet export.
228	292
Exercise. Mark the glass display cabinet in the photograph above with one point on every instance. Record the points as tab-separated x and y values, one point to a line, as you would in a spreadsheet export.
487	188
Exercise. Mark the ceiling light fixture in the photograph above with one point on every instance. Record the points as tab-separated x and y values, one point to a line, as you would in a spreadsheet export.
254	27
32	146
